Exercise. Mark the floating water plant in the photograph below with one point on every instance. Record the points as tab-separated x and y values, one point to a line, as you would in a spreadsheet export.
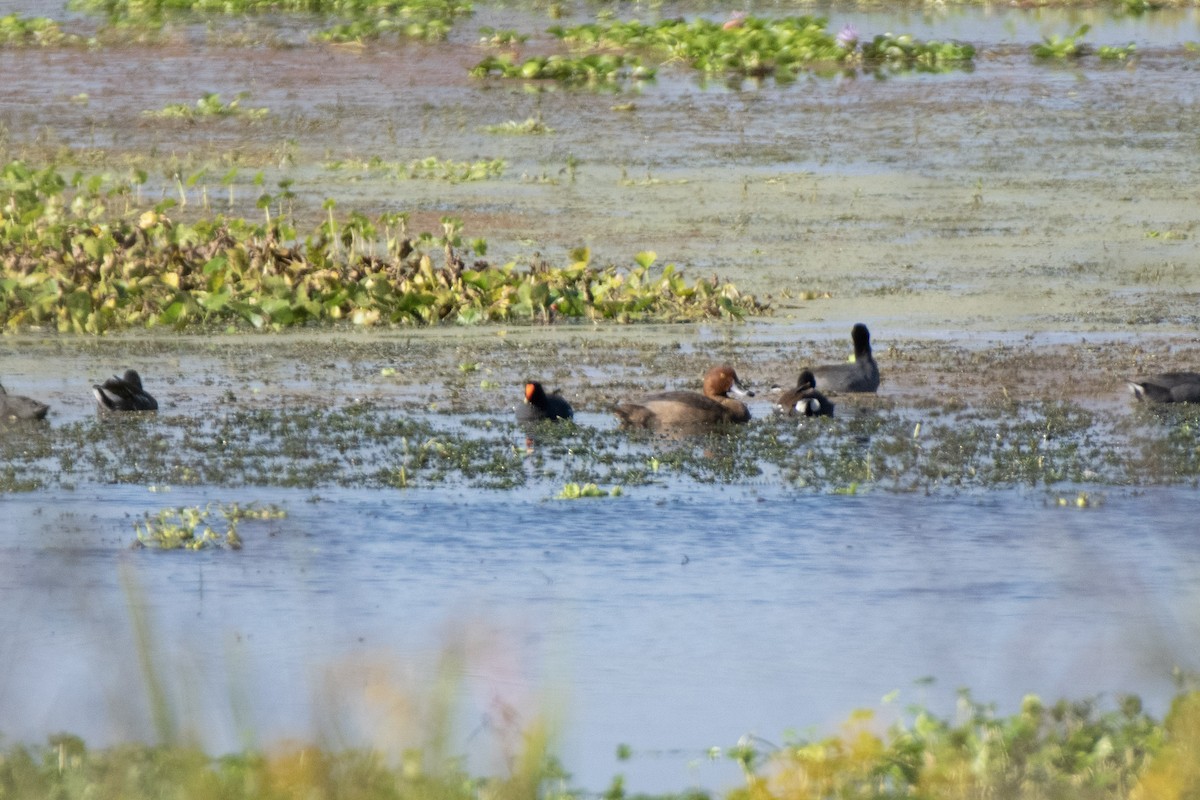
363	30
68	262
1062	47
398	13
904	52
533	126
457	171
210	105
501	38
429	168
18	31
757	47
576	491
1107	52
192	527
597	68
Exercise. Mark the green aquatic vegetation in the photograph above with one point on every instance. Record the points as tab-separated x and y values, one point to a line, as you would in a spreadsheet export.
758	47
209	105
18	31
1169	451
398	13
1056	47
433	168
1069	749
428	168
501	38
69	262
192	527
1137	8
593	69
462	434
1077	749
576	491
904	52
533	126
1108	52
364	30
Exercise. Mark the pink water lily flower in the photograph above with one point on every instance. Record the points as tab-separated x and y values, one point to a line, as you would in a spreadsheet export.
848	37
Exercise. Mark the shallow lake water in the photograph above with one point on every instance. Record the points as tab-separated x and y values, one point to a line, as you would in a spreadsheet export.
672	620
1017	234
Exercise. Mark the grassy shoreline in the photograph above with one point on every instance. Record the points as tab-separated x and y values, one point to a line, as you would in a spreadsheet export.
1070	749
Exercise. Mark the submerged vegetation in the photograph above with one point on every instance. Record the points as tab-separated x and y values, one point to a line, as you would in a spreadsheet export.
417	443
597	68
210	105
70	261
428	168
1062	47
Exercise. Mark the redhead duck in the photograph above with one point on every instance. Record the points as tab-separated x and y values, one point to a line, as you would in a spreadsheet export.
805	399
689	409
539	405
860	375
124	394
14	407
1169	387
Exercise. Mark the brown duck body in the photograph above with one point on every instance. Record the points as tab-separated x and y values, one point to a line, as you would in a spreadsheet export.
14	407
681	409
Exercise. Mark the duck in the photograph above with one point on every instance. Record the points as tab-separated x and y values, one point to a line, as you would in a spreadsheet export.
540	405
804	399
682	409
124	393
1167	387
14	407
859	375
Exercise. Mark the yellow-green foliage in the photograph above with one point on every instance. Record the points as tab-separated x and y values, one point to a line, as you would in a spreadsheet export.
192	527
576	491
758	46
1069	750
375	16
69	770
69	262
209	105
1174	773
18	31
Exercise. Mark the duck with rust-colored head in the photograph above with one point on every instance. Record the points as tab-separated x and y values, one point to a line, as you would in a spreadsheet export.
804	400
1168	387
15	408
540	404
124	393
690	409
859	375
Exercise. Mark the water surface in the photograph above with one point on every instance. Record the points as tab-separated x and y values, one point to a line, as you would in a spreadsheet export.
1016	234
671	620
